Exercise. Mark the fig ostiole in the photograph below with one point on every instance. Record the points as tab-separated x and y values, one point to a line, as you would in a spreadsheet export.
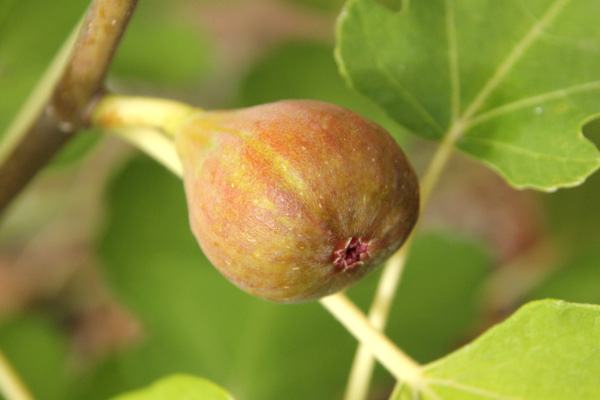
293	200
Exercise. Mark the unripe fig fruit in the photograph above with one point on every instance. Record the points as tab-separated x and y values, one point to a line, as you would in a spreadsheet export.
297	199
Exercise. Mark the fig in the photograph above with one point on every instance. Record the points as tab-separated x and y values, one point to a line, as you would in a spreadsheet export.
297	199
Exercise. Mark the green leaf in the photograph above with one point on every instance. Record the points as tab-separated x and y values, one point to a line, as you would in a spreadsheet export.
179	387
512	81
548	350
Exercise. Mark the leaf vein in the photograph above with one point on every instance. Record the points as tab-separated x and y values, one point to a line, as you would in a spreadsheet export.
470	389
533	100
530	153
453	59
513	57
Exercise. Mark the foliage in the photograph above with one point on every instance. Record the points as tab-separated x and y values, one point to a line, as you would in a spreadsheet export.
496	69
179	387
546	350
520	79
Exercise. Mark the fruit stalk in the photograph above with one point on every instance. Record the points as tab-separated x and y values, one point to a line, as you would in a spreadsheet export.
115	111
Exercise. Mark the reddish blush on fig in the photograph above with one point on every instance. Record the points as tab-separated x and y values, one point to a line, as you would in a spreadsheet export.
297	199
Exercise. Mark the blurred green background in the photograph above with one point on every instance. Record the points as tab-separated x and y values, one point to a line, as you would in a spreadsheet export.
103	288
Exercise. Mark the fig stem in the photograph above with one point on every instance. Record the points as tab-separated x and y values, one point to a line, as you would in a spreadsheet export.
362	367
153	143
11	385
399	364
116	111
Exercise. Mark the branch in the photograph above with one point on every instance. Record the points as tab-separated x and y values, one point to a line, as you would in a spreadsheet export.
66	110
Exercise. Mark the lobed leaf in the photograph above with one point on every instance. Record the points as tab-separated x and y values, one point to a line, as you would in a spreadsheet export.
547	350
515	80
179	387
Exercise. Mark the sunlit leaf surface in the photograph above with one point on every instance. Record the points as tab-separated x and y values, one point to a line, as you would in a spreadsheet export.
513	81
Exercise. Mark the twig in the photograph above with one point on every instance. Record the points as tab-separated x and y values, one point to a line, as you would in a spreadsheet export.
66	110
11	385
84	75
397	362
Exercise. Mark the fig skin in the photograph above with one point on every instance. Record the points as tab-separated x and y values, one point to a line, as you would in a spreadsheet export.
297	199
